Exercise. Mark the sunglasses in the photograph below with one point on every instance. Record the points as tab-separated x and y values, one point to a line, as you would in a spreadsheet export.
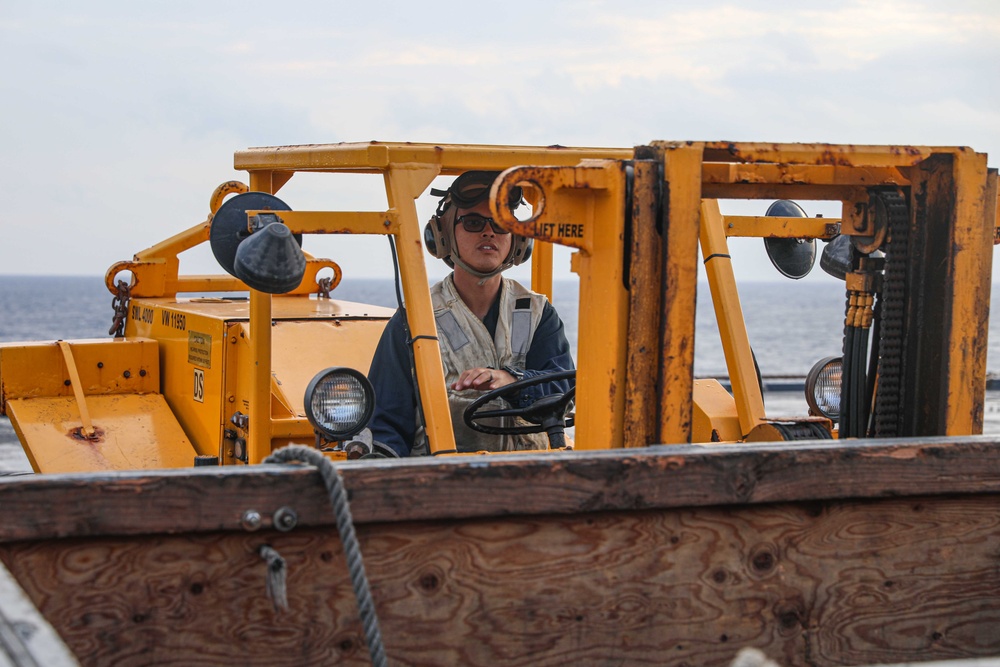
475	223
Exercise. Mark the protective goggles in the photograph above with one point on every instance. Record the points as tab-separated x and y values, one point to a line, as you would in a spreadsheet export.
475	223
473	187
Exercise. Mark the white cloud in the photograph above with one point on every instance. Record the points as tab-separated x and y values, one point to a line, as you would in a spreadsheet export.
120	118
702	46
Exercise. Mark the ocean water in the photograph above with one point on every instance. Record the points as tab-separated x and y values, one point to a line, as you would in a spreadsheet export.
791	325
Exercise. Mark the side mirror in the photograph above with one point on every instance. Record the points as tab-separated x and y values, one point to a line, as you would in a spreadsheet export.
794	258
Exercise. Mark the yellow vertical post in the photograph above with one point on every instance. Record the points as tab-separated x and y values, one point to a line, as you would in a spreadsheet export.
645	273
682	172
603	314
729	314
259	435
585	209
541	269
403	184
968	292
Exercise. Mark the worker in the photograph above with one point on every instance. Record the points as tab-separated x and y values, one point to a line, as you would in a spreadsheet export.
491	330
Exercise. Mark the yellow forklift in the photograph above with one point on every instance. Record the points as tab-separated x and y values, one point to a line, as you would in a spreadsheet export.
223	379
686	522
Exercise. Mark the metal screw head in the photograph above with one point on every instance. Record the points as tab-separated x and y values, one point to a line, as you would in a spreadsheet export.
285	519
251	520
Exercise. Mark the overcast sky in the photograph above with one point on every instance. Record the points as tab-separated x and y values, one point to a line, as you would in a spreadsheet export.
120	118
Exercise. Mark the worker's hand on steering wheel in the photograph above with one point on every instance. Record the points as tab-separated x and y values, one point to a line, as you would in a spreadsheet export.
549	413
483	379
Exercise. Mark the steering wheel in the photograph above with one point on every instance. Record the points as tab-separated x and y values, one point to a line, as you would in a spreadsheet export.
546	414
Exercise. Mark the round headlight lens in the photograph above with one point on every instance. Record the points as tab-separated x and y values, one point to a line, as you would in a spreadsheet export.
823	387
339	402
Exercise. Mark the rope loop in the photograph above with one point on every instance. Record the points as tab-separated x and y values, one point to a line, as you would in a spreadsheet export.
345	526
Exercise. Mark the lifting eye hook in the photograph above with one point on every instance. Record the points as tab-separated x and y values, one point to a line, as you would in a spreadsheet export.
223	191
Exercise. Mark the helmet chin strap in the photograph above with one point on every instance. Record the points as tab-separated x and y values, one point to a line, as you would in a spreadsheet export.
483	276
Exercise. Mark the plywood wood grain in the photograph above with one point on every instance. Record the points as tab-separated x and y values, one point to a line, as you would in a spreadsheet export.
810	583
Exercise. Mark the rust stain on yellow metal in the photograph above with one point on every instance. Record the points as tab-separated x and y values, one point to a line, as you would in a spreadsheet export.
972	252
140	432
782	191
641	419
561	215
993	204
817	154
224	190
682	173
719	173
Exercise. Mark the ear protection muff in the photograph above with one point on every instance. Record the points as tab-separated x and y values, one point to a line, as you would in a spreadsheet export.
432	232
439	230
520	250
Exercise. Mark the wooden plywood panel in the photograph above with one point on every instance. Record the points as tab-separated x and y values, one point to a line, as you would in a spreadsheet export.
190	600
841	582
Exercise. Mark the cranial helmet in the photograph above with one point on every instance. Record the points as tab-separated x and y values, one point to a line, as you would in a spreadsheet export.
468	190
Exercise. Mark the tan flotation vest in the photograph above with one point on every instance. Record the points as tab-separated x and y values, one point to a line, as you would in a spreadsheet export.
465	343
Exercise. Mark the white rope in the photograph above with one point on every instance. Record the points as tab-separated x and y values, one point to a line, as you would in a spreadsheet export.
352	550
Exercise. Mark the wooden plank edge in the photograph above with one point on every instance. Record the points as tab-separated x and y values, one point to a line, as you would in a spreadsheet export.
447	488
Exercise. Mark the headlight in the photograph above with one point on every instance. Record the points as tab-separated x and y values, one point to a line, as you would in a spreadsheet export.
823	387
339	402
